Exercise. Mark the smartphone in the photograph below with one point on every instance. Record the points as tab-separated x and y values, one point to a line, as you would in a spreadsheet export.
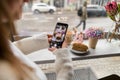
59	35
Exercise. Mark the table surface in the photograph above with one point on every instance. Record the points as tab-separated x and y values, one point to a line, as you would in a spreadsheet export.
103	49
79	74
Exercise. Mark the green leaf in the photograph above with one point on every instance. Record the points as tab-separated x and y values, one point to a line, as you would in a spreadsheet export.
112	17
118	7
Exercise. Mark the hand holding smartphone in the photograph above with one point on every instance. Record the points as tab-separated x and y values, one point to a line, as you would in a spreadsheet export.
59	35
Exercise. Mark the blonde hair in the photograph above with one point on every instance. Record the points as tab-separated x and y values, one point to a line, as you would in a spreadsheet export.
6	53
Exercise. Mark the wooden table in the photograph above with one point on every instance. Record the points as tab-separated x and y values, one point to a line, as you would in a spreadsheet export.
103	49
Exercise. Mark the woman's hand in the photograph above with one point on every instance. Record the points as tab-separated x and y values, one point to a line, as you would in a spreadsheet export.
64	45
52	49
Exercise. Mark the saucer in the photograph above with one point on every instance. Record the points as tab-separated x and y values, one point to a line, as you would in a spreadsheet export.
79	52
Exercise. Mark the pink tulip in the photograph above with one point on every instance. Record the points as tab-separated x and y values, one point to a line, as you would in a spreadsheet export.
111	8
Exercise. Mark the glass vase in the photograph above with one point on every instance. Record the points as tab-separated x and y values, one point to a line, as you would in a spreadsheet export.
115	32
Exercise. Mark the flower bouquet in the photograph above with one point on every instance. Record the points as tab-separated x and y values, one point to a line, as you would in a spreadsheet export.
93	34
113	11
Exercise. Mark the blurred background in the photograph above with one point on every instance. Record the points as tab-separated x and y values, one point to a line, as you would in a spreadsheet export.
42	15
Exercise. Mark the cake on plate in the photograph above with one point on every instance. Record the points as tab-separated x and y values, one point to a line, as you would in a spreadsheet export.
79	47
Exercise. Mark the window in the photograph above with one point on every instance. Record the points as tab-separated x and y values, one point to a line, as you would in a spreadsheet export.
32	24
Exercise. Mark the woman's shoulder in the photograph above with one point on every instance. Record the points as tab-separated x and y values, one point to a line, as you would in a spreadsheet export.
6	71
5	66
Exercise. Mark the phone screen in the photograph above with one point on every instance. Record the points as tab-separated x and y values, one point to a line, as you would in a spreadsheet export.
59	35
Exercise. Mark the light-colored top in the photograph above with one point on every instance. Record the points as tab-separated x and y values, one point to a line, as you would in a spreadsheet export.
23	58
84	13
7	72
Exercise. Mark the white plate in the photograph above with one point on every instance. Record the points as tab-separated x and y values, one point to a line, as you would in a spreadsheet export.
79	52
